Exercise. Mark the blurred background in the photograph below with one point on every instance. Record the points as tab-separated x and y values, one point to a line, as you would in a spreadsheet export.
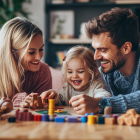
62	21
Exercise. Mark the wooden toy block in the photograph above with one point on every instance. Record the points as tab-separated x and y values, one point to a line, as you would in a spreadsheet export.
120	120
136	120
84	119
37	101
12	119
59	119
45	117
108	110
109	121
40	105
130	118
100	120
72	119
91	119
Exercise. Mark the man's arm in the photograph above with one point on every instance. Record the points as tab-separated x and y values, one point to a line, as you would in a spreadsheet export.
121	103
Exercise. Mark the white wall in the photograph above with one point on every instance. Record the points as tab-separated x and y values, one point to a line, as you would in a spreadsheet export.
37	16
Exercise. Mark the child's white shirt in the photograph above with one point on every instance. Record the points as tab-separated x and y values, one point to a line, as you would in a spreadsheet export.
95	90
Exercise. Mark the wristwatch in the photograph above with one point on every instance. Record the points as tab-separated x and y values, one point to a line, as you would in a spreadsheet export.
103	103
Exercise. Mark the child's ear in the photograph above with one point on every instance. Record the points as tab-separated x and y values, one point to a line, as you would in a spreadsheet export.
126	48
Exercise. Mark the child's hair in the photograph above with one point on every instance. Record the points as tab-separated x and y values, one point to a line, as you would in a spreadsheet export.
85	54
14	35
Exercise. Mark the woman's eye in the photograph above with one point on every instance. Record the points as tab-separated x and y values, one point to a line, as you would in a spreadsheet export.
41	50
31	52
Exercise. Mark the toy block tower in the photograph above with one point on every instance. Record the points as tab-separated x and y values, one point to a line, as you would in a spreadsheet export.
51	106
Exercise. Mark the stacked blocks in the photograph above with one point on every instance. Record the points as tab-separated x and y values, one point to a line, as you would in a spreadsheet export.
51	109
24	115
37	101
130	118
51	106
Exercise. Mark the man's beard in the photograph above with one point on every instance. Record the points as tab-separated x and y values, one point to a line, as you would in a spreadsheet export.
121	61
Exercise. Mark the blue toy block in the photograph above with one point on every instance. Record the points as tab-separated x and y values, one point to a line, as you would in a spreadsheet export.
45	117
59	119
84	119
72	119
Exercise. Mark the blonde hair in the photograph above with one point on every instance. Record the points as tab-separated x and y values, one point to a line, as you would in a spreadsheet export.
14	35
85	54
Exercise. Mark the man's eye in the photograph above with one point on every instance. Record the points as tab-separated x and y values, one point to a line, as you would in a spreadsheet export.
81	71
103	50
31	52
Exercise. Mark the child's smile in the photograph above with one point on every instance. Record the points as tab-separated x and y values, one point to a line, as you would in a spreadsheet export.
77	75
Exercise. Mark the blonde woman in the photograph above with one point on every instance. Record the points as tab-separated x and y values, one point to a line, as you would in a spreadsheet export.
81	76
22	74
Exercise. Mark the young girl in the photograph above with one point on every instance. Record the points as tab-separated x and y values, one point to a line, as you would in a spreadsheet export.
81	76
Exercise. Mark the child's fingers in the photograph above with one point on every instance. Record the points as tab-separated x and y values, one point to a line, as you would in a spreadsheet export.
32	105
25	104
52	95
45	94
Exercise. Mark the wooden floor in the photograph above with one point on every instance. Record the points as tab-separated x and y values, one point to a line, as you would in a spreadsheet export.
68	131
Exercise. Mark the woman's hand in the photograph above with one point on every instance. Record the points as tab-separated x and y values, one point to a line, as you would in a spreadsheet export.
49	94
85	104
28	102
6	105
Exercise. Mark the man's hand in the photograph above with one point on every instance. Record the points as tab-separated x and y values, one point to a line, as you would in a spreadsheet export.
49	94
85	104
28	102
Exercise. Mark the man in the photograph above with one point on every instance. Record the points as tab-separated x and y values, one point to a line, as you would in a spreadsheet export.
115	37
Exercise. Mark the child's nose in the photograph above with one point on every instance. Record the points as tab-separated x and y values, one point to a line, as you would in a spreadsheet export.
75	74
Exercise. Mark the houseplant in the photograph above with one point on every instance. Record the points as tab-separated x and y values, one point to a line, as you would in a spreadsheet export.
12	8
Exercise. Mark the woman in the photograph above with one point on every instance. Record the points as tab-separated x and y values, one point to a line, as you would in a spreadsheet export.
22	73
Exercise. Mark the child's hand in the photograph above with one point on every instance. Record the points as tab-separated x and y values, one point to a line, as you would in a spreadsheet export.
6	105
49	94
28	102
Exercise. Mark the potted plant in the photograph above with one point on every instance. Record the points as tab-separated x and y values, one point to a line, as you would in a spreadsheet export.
12	8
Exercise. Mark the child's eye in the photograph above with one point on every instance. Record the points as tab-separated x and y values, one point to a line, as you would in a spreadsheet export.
31	52
81	71
69	71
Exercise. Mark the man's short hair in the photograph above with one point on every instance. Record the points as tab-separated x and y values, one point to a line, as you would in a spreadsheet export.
122	25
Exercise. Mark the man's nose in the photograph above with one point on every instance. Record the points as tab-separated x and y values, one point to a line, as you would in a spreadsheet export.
97	55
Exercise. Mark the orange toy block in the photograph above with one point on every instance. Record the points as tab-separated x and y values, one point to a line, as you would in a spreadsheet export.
110	121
